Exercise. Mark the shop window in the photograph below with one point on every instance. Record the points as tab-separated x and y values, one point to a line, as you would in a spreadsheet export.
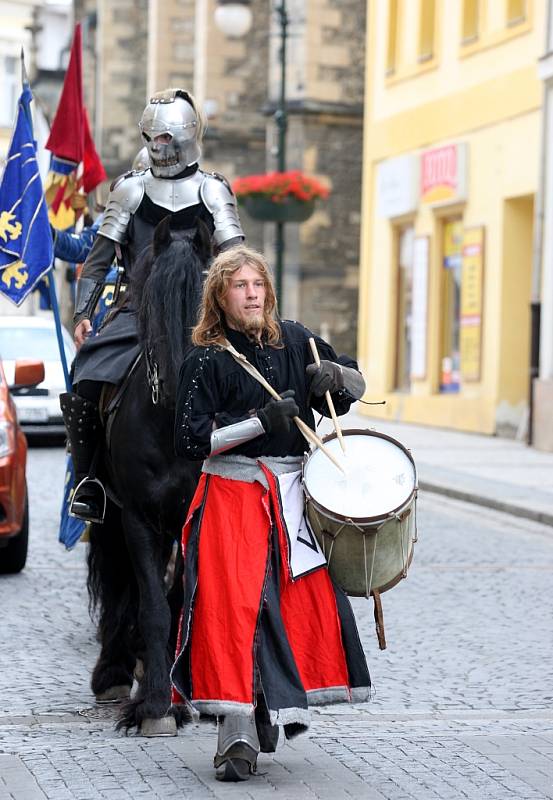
426	30
471	9
516	11
404	309
391	56
452	250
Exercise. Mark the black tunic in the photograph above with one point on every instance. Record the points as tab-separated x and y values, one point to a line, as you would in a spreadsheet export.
214	387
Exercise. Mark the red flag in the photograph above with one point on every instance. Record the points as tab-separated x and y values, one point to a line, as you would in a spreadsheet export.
71	143
94	172
66	138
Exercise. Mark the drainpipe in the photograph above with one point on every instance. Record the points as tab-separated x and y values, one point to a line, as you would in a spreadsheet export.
535	303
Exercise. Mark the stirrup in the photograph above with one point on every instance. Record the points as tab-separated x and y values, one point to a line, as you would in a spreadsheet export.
89	509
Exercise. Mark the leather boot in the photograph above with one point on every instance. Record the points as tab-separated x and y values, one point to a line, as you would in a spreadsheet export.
82	422
237	748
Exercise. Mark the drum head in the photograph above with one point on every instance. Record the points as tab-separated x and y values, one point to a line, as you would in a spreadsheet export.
380	476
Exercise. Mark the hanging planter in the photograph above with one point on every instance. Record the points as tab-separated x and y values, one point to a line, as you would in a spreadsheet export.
279	196
289	209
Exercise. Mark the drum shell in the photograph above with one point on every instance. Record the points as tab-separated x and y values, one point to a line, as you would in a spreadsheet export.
350	554
351	544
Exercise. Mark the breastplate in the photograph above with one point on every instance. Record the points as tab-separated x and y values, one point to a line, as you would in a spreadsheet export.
174	195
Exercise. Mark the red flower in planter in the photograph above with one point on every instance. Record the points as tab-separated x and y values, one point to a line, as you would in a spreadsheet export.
279	186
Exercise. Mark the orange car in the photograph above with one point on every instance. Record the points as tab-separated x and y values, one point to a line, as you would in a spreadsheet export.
14	506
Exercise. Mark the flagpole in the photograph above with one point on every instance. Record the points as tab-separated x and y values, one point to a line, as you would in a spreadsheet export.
50	274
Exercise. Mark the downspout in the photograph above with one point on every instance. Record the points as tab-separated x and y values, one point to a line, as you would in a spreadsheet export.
537	259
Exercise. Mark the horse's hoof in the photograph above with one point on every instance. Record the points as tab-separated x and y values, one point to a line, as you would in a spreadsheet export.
115	694
166	726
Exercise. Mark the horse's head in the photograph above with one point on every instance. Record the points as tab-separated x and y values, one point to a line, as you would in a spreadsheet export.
166	288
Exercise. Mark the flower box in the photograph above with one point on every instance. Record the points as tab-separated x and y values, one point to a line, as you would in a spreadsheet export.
279	196
289	209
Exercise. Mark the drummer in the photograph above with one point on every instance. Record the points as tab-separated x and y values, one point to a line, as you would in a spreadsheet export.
264	633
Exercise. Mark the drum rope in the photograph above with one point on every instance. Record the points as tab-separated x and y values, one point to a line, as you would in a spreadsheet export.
404	547
368	583
333	537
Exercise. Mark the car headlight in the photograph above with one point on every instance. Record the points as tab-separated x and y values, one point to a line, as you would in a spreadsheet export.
6	438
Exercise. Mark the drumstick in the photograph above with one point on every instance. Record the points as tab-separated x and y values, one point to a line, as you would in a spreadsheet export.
328	397
310	435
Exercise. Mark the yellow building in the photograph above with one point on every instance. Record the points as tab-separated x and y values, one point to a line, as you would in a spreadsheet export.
451	170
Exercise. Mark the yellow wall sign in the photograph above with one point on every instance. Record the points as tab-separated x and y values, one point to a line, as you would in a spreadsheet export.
472	287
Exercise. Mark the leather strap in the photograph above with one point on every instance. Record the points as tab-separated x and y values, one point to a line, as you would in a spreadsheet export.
379	619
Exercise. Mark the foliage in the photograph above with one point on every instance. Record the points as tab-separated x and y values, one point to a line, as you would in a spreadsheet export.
279	186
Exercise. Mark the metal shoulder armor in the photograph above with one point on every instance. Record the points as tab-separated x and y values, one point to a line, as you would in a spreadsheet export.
124	198
219	199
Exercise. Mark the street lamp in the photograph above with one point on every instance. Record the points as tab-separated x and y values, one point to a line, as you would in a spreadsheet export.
233	17
230	17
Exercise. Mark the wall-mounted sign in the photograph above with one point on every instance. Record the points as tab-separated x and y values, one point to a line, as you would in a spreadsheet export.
472	290
419	309
397	186
444	174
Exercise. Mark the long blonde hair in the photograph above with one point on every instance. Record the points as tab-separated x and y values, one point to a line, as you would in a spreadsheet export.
210	328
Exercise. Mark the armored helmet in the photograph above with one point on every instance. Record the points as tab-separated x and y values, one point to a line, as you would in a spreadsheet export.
172	129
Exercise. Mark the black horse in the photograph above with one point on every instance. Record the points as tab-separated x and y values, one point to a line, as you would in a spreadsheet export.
150	491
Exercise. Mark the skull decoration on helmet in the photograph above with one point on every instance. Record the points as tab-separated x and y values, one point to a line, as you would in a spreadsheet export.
172	129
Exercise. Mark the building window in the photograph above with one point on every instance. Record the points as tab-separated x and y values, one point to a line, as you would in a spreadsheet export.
406	237
516	11
391	56
452	256
426	30
471	9
9	82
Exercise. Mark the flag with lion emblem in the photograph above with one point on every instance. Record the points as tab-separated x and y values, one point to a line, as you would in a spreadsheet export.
25	237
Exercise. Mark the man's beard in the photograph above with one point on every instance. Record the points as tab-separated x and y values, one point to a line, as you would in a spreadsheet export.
252	327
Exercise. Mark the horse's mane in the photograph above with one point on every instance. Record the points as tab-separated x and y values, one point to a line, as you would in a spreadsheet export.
166	291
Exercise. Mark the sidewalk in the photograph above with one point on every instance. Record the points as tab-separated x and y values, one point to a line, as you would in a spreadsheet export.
497	473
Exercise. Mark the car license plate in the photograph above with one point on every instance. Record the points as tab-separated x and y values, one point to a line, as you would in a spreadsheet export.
39	414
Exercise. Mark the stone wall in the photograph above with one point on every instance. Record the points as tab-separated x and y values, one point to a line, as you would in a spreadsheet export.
120	68
144	46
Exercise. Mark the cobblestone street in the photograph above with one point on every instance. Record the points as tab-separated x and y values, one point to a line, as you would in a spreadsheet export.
463	704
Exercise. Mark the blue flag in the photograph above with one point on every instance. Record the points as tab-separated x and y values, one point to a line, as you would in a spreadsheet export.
71	529
26	249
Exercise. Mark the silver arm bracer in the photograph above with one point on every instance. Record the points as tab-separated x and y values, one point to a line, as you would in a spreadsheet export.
123	200
220	201
87	295
223	439
353	381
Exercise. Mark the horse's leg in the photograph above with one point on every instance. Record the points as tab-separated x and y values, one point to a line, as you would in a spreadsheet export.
112	589
175	596
150	710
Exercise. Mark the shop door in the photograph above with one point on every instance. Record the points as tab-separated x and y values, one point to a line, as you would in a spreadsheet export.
451	262
404	317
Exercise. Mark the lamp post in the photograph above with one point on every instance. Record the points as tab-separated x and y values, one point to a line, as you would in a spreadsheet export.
234	18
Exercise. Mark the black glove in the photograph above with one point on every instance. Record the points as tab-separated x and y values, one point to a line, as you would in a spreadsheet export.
326	378
276	416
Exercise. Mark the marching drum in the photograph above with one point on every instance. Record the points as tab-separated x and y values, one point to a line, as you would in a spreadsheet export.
365	520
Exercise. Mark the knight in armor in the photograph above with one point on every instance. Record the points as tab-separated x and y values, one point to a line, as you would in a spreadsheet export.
173	184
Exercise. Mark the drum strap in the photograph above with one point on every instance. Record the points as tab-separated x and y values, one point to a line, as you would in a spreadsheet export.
379	619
